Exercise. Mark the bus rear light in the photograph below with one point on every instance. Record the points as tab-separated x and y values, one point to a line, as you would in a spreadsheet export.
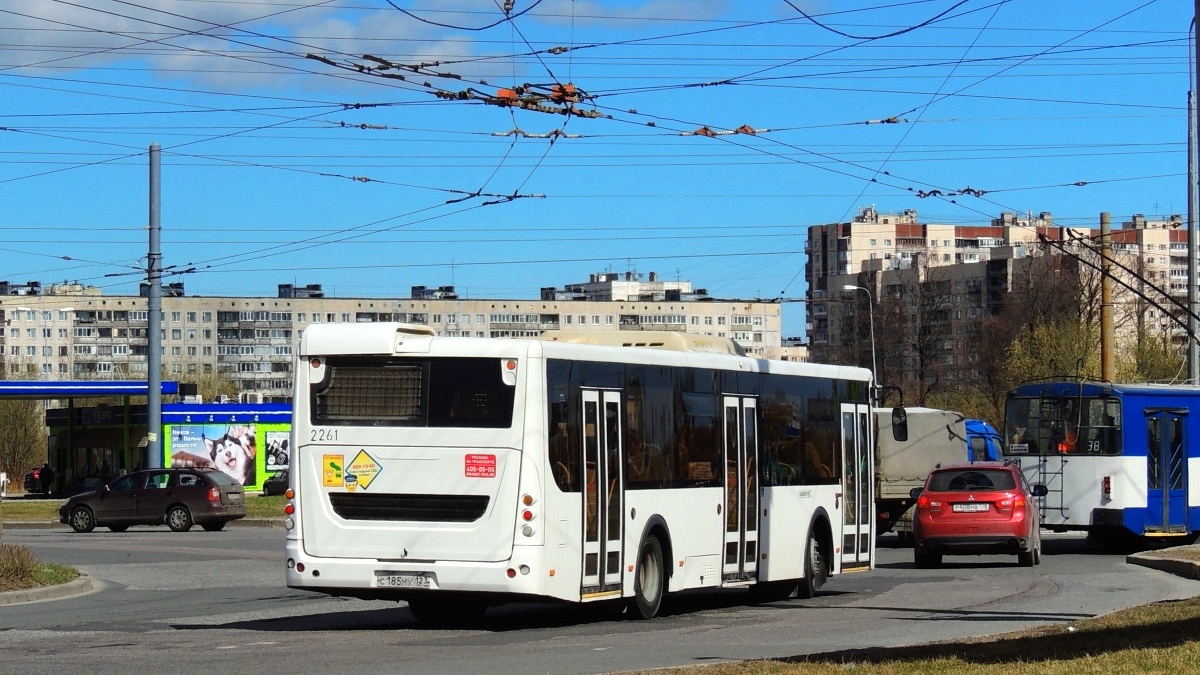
528	531
289	493
289	509
315	363
289	524
527	500
299	567
512	574
527	515
1106	487
524	569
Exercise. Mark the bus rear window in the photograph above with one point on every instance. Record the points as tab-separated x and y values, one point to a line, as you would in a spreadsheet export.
450	392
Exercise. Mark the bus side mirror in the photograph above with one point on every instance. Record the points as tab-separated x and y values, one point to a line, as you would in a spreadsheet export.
1039	490
899	424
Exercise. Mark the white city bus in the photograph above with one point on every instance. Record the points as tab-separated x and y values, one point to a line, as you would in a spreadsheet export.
458	473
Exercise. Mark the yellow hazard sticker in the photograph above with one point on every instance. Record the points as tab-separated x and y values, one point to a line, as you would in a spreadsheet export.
333	473
362	470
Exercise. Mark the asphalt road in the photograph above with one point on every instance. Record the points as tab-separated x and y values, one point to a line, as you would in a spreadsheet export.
215	602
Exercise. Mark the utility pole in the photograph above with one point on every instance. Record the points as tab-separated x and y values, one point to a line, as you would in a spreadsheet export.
1108	368
1193	351
154	319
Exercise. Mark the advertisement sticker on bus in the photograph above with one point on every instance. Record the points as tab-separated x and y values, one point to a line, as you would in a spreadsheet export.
362	471
480	466
333	468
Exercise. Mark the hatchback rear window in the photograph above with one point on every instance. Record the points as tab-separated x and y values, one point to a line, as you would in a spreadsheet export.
221	479
965	480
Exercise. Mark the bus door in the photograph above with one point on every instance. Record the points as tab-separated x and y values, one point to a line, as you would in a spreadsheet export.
858	486
1166	461
603	491
741	488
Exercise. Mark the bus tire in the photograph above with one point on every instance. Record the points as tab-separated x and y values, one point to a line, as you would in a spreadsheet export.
816	569
649	582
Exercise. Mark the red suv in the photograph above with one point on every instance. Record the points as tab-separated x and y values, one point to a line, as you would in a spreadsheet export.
977	508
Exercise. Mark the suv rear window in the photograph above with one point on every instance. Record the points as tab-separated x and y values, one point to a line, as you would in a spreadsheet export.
966	480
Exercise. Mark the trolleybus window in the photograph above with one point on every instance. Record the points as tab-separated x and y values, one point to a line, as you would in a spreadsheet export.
1064	425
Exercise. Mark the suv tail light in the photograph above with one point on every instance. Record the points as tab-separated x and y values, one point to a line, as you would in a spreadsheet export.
931	505
214	494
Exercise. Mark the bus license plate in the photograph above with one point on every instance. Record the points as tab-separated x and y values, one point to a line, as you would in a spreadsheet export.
396	580
970	507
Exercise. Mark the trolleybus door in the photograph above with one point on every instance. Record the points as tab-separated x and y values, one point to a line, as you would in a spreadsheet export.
602	500
1166	460
741	488
858	486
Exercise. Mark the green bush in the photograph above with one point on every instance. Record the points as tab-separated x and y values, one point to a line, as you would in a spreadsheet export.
18	568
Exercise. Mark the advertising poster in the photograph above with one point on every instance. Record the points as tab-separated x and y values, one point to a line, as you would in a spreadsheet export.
248	452
277	450
229	448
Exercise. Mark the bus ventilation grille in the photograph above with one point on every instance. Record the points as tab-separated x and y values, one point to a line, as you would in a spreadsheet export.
409	507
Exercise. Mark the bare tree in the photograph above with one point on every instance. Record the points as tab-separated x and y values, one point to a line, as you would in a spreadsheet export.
22	436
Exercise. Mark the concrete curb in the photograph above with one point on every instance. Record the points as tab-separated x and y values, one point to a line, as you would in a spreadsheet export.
80	585
1179	566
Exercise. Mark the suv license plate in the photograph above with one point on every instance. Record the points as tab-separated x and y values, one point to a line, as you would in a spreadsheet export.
970	507
395	580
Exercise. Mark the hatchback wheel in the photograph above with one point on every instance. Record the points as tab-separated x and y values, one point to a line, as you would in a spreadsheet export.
179	518
82	519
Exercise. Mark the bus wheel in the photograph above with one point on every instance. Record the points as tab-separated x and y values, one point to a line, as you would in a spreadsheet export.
440	609
649	583
816	569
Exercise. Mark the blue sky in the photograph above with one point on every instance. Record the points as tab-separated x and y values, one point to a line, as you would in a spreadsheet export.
283	168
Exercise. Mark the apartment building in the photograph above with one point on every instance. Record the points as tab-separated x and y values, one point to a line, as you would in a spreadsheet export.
964	273
72	331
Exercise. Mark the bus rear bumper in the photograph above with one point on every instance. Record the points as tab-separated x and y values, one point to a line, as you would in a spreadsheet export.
521	575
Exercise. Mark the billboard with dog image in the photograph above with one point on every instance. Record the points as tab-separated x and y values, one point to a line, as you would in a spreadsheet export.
246	452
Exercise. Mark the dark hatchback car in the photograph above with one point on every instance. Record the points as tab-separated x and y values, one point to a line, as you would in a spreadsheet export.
177	497
976	509
276	484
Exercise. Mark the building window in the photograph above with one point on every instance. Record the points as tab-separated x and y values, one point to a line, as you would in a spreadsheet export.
175	317
887	242
176	334
874	242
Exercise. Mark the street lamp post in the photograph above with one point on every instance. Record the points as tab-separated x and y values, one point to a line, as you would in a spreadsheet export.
871	318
